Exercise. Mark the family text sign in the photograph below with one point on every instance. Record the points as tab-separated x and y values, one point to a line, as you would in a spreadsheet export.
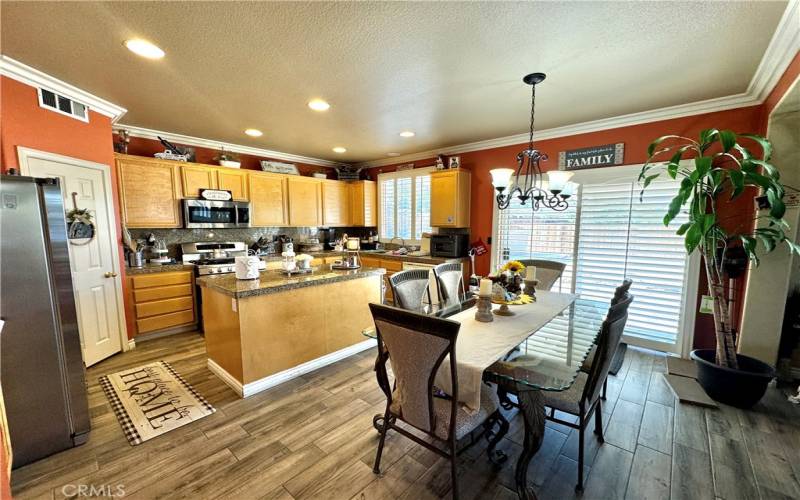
592	157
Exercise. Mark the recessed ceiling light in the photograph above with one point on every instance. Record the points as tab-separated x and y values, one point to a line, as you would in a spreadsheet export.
144	48
253	132
339	149
318	105
392	154
407	133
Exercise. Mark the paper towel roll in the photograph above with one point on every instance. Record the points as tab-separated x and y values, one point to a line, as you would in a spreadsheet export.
247	267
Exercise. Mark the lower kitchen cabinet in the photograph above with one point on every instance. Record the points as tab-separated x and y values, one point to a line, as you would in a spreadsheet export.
163	300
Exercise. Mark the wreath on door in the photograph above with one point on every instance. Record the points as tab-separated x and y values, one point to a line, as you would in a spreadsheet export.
80	228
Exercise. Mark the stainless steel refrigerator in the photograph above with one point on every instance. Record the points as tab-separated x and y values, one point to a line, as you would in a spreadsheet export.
41	364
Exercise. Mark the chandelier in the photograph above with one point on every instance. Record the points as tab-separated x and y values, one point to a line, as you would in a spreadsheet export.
527	183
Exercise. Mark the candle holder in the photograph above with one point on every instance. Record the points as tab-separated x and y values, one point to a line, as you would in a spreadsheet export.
484	309
530	287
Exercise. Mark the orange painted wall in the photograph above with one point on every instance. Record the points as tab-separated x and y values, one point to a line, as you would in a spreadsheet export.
148	147
24	123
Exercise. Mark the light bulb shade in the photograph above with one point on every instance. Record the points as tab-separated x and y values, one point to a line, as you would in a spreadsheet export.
569	189
557	179
501	177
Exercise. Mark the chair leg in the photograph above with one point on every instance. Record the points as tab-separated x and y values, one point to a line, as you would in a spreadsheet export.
454	468
598	422
377	468
605	388
579	486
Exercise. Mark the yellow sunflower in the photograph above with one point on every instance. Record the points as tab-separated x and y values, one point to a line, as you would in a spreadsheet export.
514	266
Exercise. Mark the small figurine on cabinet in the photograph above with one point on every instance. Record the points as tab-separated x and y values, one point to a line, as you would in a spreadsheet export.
455	162
439	162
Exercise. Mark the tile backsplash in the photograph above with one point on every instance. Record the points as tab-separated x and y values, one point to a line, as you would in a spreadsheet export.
174	237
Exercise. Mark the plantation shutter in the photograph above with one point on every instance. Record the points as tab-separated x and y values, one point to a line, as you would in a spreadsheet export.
620	237
544	234
404	202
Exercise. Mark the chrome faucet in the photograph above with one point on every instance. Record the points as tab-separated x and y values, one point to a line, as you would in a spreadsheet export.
402	241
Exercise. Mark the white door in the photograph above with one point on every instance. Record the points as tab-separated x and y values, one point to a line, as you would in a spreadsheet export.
94	265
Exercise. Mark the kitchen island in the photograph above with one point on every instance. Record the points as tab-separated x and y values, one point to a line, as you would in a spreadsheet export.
260	333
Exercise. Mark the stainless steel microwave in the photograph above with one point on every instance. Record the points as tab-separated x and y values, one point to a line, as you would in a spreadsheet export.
215	214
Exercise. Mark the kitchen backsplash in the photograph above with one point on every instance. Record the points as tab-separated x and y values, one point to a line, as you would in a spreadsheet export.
174	237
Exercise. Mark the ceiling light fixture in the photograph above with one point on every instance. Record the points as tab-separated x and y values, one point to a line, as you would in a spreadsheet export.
144	48
528	180
407	133
339	149
254	132
392	154
318	105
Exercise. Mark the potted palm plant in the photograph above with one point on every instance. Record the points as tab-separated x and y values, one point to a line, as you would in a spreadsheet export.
721	168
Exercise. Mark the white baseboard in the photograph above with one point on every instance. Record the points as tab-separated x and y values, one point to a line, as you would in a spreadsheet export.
265	383
131	344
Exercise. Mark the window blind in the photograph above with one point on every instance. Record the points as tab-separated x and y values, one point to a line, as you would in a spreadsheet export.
620	237
544	234
404	202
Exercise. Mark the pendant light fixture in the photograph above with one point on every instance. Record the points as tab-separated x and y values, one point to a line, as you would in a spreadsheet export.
526	181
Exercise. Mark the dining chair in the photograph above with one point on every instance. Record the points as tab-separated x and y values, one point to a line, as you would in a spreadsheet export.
547	271
416	345
410	288
450	282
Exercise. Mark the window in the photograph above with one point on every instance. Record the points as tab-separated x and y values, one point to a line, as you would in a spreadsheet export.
604	236
404	201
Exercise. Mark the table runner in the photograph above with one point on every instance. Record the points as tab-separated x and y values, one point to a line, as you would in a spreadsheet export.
479	344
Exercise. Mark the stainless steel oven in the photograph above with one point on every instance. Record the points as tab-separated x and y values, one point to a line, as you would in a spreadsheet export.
211	214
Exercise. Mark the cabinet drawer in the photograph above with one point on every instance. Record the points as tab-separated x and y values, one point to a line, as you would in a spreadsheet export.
164	306
392	265
163	292
331	260
165	321
317	262
161	279
370	262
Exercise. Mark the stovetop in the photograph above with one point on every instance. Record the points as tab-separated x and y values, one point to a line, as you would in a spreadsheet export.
211	262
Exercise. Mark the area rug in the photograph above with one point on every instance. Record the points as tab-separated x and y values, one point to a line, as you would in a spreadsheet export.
152	399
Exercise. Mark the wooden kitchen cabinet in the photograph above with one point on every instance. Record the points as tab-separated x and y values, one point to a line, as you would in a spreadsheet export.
268	201
163	300
197	177
363	203
235	181
335	203
450	193
149	192
305	200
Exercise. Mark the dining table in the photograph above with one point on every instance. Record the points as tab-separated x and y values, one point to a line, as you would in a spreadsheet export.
539	348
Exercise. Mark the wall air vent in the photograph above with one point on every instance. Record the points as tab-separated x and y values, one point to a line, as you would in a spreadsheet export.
64	105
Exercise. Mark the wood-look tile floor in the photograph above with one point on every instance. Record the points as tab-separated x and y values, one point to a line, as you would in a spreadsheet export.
312	438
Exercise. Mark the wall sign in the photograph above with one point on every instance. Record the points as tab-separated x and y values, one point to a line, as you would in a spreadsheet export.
215	194
277	167
592	157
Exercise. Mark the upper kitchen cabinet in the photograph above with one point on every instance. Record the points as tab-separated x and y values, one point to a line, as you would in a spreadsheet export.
235	181
335	203
305	200
450	192
149	192
363	203
197	177
268	200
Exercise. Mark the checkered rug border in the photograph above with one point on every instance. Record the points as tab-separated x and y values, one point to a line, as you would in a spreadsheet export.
119	410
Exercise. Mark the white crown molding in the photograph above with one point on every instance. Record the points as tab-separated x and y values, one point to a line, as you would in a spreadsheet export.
783	47
30	76
188	140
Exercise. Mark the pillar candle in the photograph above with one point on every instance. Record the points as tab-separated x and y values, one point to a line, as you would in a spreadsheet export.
530	273
486	288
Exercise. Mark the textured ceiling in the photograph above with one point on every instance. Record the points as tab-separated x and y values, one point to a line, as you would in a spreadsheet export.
451	72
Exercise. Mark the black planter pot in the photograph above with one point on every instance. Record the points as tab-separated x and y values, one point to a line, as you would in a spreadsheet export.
741	388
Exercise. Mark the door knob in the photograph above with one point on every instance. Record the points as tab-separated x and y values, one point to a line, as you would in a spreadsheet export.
111	275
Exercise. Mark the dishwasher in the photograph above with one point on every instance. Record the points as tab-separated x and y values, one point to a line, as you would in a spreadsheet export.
432	285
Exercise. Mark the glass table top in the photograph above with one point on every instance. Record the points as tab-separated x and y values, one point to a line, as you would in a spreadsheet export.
551	357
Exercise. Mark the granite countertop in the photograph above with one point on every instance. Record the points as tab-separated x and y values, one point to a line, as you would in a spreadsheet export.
276	281
156	268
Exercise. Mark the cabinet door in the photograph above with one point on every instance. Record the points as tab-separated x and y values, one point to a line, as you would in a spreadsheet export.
305	201
370	203
197	177
235	181
148	192
335	203
267	199
443	199
356	192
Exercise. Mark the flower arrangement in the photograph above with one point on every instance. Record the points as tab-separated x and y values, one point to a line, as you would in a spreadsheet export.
514	266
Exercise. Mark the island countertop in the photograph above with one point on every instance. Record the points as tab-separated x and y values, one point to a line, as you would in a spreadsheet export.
276	281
